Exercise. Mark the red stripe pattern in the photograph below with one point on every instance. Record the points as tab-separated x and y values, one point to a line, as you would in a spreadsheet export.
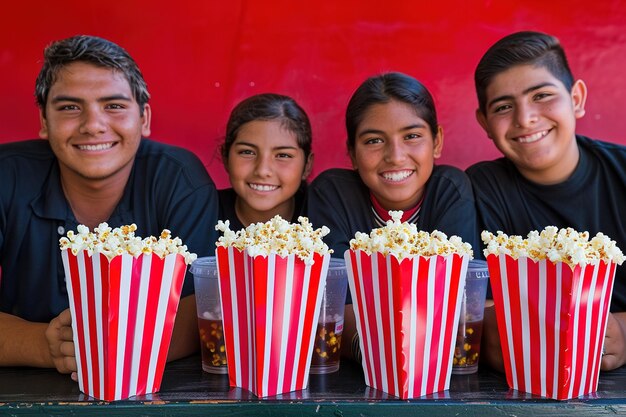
270	309
123	315
552	320
407	314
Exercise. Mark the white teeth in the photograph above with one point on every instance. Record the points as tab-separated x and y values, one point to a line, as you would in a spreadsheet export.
99	147
262	187
532	138
397	176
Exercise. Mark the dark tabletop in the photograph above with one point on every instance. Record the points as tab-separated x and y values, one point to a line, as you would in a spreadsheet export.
187	390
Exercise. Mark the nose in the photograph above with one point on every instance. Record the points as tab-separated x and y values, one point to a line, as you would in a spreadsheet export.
92	121
395	151
263	167
525	115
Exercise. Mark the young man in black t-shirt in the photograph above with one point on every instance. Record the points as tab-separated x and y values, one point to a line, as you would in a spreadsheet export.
528	105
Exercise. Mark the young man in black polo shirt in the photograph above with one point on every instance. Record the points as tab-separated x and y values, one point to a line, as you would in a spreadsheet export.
93	165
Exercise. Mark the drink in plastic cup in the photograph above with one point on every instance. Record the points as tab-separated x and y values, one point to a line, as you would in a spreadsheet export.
467	350
209	315
327	345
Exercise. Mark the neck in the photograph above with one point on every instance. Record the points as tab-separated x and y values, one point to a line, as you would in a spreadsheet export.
559	172
247	215
93	201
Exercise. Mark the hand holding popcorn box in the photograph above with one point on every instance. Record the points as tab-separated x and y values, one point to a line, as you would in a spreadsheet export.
406	288
271	278
123	295
552	293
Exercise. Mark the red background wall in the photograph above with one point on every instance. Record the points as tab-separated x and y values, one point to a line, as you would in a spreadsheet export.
201	57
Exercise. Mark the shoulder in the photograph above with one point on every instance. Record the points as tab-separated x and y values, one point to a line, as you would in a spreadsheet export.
336	176
167	160
34	149
605	150
485	173
449	177
26	160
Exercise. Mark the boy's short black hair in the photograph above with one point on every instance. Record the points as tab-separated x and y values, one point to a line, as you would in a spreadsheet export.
93	50
521	48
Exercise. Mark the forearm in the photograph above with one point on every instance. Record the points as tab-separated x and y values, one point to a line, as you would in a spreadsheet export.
23	343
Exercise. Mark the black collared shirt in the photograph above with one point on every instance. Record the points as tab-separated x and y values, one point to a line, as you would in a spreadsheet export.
168	188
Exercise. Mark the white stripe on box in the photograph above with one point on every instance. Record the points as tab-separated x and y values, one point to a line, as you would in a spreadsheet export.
413	326
97	290
316	314
542	324
557	328
428	348
457	312
392	309
146	264
504	276
249	285
82	273
584	376
70	293
305	293
356	308
575	352
269	317
597	358
284	332
525	313
233	297
382	355
164	295
369	376
124	290
444	322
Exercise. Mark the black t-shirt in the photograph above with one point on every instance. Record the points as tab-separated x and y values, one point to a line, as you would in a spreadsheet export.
228	196
593	199
168	188
340	200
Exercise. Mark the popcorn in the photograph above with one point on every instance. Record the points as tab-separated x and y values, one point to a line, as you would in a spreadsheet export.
277	236
557	245
404	241
112	242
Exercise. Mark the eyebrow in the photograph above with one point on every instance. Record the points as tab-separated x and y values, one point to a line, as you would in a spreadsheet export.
380	132
275	148
526	91
114	97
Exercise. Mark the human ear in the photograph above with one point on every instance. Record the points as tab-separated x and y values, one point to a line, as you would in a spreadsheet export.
438	146
482	121
308	166
352	154
146	117
43	130
579	97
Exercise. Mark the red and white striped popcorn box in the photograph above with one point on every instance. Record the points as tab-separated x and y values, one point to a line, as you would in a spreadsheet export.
552	320
407	315
123	313
270	309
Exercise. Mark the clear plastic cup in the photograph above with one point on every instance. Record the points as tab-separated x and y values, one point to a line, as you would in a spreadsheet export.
327	344
209	309
467	349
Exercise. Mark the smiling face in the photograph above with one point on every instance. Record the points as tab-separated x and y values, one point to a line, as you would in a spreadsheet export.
394	153
531	118
93	123
265	167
